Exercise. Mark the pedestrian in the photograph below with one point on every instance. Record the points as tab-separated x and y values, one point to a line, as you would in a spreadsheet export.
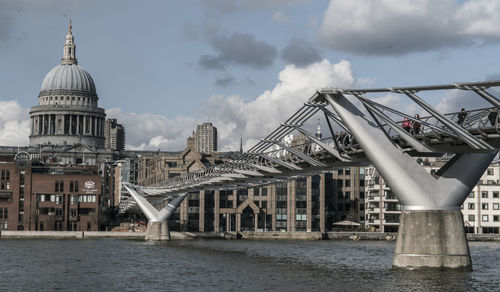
416	125
406	125
461	117
492	116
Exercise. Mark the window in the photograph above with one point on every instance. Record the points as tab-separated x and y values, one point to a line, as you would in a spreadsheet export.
471	218
471	206
484	206
484	194
495	206
347	183
361	170
485	218
361	195
361	182
471	195
347	171
76	186
263	192
264	204
495	218
495	195
56	189
3	173
490	171
61	186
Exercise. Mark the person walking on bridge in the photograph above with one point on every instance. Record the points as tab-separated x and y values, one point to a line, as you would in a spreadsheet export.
416	125
461	117
406	125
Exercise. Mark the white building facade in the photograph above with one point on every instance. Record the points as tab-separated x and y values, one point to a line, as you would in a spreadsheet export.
481	209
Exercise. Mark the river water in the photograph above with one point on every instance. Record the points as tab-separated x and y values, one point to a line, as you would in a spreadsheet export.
226	265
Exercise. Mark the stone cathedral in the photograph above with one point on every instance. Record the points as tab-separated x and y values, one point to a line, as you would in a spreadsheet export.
67	112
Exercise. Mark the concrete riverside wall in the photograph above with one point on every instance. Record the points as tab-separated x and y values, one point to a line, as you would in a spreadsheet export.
432	239
221	235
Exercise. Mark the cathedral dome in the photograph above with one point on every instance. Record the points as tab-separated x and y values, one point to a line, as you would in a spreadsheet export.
68	77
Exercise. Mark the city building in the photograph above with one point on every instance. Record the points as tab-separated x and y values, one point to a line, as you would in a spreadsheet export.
481	209
67	112
313	203
205	138
114	135
37	196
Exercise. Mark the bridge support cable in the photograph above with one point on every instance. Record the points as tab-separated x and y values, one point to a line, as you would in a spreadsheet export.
157	228
480	90
324	145
413	119
334	138
431	232
461	132
410	139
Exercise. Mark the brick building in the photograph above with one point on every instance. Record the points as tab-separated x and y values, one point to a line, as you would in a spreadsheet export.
38	196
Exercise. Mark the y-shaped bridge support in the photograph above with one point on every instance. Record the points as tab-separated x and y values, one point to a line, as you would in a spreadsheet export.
157	220
431	230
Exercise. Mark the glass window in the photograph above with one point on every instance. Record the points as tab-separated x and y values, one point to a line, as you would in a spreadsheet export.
495	206
490	171
56	189
347	171
485	218
484	194
484	206
471	218
347	183
495	195
361	170
471	206
471	195
495	218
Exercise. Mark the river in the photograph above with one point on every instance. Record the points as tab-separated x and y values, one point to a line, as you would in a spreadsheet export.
225	265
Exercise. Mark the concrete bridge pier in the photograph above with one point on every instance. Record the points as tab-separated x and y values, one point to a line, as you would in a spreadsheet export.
431	229
157	229
432	239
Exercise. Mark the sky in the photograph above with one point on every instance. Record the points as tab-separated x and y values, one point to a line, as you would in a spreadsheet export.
162	67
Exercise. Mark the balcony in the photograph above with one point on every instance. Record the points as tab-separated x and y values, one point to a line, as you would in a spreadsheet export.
372	221
372	198
6	195
373	210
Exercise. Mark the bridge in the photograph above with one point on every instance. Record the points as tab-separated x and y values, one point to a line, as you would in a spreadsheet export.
431	231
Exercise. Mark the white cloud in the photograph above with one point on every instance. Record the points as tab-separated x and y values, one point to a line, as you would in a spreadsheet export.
255	119
232	115
14	124
280	17
152	131
454	100
397	27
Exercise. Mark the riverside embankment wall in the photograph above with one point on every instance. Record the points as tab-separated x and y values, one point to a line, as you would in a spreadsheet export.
222	235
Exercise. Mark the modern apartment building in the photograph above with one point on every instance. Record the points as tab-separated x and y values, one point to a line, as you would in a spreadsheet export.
481	209
205	138
114	135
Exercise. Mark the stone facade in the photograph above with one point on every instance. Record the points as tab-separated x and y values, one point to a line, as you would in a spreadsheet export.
49	197
67	112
